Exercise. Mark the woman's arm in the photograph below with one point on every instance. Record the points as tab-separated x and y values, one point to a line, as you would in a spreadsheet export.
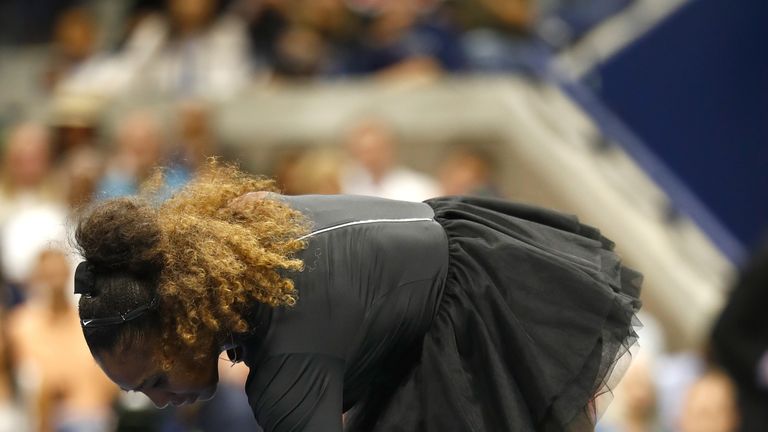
297	392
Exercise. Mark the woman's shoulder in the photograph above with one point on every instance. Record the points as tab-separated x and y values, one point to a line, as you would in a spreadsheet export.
333	210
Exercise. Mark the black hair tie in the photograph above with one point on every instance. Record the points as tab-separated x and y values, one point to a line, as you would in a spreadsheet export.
85	284
85	279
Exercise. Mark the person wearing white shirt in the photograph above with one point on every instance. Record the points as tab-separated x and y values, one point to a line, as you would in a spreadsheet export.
373	168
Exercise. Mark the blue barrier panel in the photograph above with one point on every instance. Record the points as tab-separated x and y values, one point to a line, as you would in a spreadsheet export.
695	91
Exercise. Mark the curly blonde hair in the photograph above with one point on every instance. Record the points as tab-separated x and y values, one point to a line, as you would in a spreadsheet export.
207	260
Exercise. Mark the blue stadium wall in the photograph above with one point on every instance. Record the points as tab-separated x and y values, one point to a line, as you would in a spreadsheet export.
695	90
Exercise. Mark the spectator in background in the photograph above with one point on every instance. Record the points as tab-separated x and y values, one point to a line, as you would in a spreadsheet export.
636	400
26	179
302	171
140	148
313	42
317	171
32	209
402	40
497	34
299	38
80	162
189	49
64	388
373	168
74	120
284	164
11	414
265	20
330	18
468	170
199	52
194	139
82	171
710	405
74	43
300	52
740	341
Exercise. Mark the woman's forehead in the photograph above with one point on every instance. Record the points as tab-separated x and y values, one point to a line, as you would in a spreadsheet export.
129	369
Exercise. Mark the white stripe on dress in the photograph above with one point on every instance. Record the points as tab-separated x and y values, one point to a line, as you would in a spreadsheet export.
361	222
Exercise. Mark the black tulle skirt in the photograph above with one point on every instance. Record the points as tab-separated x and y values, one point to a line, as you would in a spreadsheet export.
533	327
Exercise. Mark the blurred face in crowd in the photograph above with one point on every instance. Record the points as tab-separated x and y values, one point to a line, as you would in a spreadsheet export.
140	143
191	15
396	16
639	390
326	16
463	173
83	168
710	405
75	34
195	132
372	145
27	157
52	274
317	172
300	52
138	368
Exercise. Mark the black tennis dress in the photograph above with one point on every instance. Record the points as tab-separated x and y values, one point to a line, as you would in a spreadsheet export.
457	314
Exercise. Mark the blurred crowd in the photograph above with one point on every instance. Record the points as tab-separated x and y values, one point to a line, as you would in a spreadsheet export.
197	53
215	47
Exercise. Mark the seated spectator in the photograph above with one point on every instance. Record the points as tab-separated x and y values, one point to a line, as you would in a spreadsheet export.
201	53
299	39
401	40
32	209
710	405
193	139
497	35
373	168
284	162
300	53
26	178
140	149
635	406
82	171
265	20
189	49
74	43
64	388
317	172
11	415
74	120
468	170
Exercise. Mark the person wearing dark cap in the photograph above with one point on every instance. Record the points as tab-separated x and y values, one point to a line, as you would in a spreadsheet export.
354	312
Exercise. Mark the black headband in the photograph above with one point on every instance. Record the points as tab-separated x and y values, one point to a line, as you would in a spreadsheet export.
128	316
85	282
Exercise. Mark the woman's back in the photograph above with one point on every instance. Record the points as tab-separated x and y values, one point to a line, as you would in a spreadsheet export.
373	273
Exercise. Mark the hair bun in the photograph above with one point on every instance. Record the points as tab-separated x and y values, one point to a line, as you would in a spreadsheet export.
121	235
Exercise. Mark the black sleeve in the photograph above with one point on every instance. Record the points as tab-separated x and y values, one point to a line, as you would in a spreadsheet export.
297	393
740	335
